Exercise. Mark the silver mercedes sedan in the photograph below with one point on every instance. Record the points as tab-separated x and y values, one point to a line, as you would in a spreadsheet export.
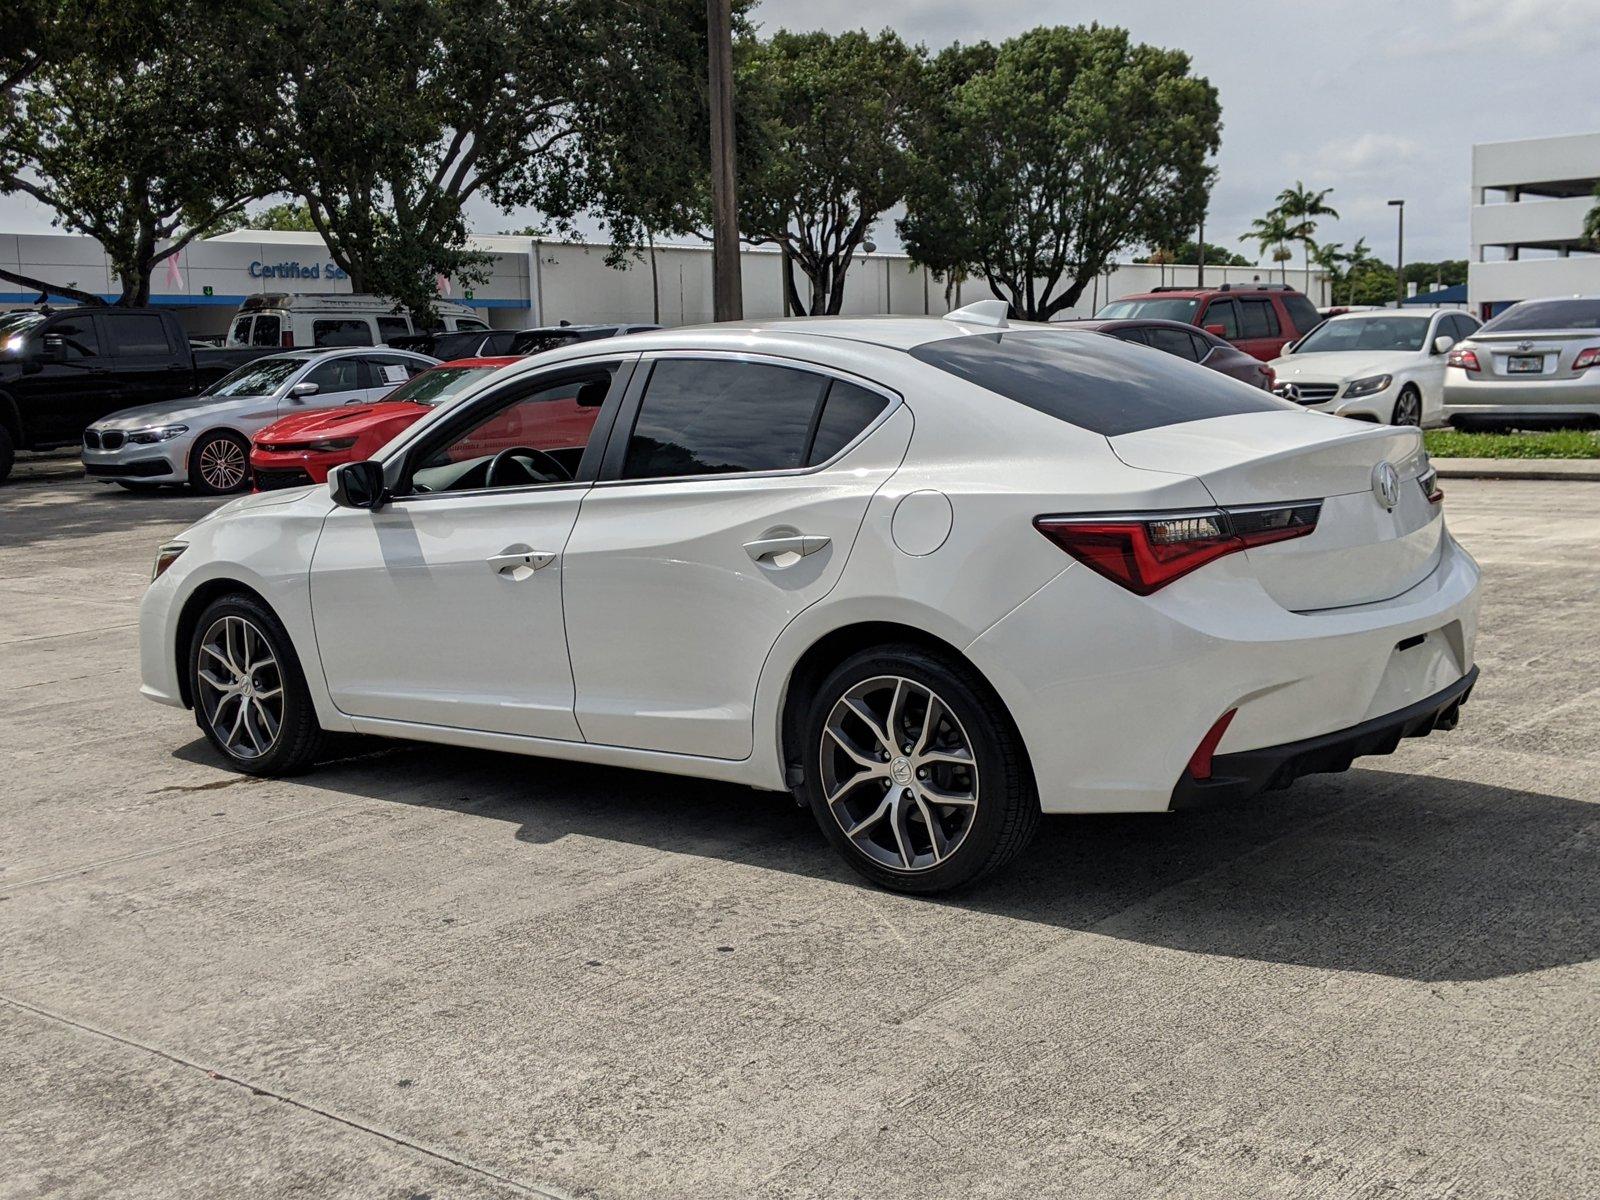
1535	364
204	440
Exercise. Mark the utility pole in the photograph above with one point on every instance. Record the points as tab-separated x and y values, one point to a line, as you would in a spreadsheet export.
1399	254
1200	241
726	290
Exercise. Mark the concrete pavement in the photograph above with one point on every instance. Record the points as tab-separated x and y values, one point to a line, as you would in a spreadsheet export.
426	972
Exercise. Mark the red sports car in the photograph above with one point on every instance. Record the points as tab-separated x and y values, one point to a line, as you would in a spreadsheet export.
302	449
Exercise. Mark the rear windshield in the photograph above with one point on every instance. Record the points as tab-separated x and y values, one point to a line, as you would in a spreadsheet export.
1096	383
1169	308
1546	314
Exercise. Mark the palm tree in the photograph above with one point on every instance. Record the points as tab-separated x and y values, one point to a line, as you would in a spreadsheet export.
1270	232
1591	223
1300	207
1330	258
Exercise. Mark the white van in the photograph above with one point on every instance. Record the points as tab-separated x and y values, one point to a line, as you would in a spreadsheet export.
291	321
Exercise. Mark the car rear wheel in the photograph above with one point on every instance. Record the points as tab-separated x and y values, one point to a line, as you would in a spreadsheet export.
250	697
915	772
219	463
1407	407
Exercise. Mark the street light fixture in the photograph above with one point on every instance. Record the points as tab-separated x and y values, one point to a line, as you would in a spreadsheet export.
1399	254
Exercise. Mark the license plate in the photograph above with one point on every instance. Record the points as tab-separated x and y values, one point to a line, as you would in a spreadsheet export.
1524	364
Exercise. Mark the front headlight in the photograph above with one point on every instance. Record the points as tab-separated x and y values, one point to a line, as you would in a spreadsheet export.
165	557
149	437
1370	386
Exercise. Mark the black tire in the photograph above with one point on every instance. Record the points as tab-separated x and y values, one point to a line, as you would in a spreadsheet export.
1407	404
1006	814
207	449
298	736
134	485
8	453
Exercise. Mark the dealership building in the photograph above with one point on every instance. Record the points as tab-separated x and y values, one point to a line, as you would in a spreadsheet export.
536	282
1529	201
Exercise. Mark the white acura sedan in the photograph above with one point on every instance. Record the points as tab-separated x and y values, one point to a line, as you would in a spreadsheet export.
934	576
1382	366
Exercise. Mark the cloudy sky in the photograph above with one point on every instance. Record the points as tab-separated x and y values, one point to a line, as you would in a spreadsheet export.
1373	98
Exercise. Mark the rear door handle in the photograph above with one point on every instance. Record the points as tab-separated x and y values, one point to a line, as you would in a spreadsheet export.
512	559
794	543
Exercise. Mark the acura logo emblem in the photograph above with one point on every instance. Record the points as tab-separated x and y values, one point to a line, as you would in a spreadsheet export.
1386	484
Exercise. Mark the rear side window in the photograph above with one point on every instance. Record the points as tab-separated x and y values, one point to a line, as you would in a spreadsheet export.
1301	311
393	327
1220	312
1256	319
349	331
846	411
1092	382
1173	341
135	334
265	332
711	417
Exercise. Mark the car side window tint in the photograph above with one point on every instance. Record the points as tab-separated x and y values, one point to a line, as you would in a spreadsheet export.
1173	341
77	334
336	375
265	332
1256	319
136	334
1220	312
538	434
1136	336
347	331
391	370
1202	347
1302	312
846	411
393	327
714	417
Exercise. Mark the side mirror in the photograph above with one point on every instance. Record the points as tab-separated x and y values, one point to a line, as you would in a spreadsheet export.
358	485
301	390
53	345
1288	347
1442	343
1215	330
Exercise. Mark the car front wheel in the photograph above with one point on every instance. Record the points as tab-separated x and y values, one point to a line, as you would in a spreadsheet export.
250	697
916	773
219	463
1407	407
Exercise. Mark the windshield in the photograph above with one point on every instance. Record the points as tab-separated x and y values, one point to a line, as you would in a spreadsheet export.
259	378
1546	314
1365	333
438	385
1173	308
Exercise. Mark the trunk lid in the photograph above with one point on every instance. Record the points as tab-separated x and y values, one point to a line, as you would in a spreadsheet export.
1361	551
1538	355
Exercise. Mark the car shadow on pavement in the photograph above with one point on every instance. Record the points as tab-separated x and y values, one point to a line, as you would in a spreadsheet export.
1412	876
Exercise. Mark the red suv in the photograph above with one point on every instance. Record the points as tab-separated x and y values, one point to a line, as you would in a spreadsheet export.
1258	318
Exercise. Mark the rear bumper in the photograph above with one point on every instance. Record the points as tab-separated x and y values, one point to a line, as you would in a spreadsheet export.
1535	400
1242	775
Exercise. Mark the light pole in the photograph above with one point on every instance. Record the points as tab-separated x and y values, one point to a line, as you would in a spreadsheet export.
727	298
1399	253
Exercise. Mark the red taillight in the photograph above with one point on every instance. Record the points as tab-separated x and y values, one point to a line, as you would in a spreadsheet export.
1200	760
1428	481
1467	360
288	340
1586	358
1145	553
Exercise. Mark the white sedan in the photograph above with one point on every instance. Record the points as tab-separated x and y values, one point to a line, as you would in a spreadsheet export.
1382	366
935	576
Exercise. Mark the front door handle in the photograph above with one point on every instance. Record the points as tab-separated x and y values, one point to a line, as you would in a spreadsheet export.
511	560
795	543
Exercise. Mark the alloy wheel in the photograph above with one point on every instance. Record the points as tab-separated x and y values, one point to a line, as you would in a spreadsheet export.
223	464
898	773
1408	409
241	687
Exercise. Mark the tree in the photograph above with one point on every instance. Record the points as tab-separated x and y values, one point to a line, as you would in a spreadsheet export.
390	118
1189	253
824	153
1271	233
137	139
1044	157
1301	207
1591	223
291	216
1331	258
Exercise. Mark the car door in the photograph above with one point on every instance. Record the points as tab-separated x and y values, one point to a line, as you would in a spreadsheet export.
444	607
732	492
341	380
73	386
1260	331
147	366
385	372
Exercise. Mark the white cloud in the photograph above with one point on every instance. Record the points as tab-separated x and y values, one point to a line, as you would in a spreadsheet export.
1516	28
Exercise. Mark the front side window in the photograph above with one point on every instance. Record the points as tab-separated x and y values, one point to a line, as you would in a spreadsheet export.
717	417
78	338
345	331
1221	313
336	375
134	334
1173	341
1095	383
259	378
536	435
